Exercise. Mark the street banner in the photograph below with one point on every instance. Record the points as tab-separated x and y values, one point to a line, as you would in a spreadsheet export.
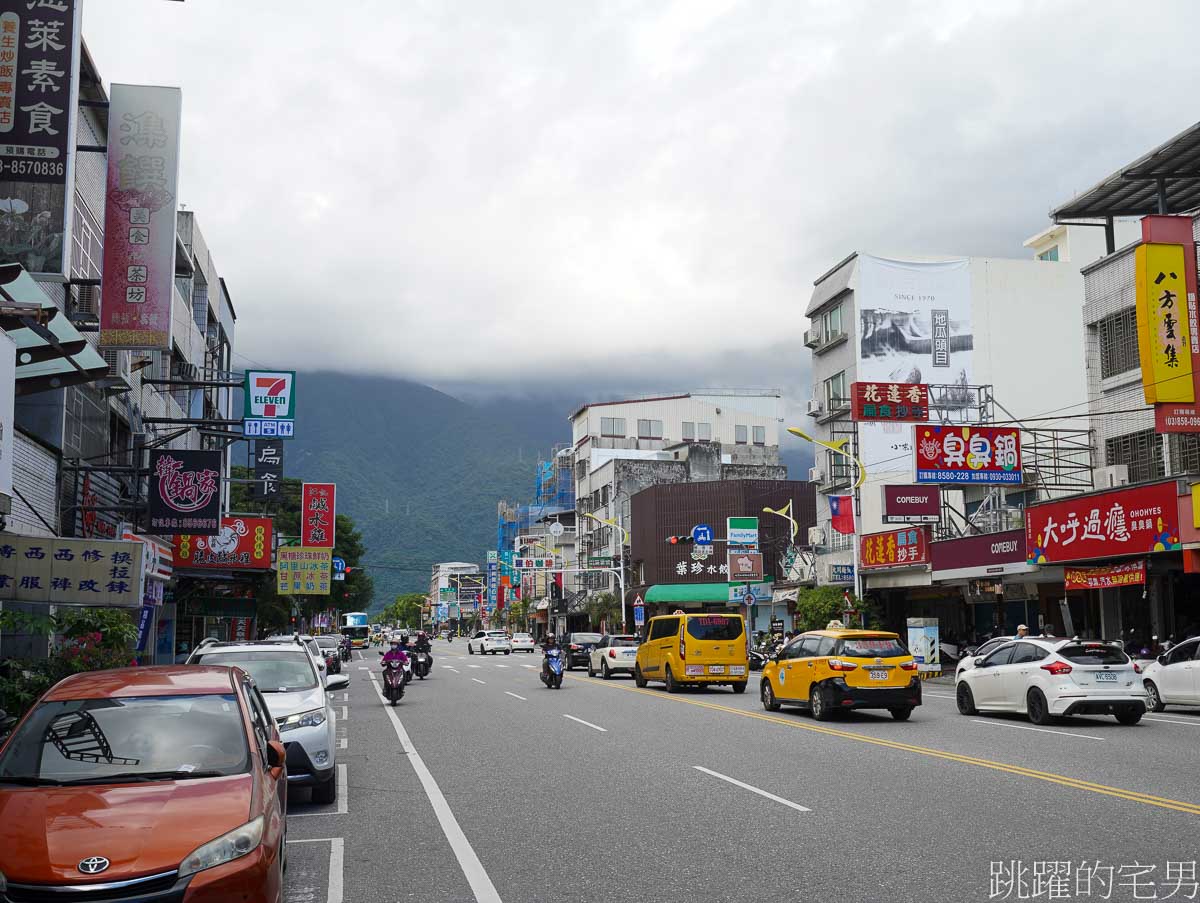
268	468
318	513
241	630
185	494
8	389
889	402
305	572
270	403
894	548
1131	573
1128	521
493	579
968	454
243	544
145	619
912	504
744	566
139	217
71	571
39	100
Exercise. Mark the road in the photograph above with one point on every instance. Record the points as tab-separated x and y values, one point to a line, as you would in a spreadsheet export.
484	785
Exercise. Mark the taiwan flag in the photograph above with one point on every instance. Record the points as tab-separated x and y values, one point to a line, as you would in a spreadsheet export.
841	510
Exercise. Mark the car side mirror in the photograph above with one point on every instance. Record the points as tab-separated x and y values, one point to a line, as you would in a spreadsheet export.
276	754
337	681
979	663
1162	659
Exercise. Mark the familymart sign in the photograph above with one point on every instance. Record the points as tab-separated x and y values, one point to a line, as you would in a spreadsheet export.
270	403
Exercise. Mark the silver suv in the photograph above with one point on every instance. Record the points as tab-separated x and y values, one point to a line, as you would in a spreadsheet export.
295	692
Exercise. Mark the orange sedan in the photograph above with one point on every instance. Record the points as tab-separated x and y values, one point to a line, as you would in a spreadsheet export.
164	784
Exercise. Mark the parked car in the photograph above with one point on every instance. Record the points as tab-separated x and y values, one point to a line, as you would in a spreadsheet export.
967	662
330	646
302	639
523	642
492	641
296	699
613	654
577	648
694	650
166	782
1045	678
1174	677
828	671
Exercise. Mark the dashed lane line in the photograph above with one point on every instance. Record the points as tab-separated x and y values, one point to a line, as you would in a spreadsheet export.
752	789
594	727
478	681
515	696
1040	730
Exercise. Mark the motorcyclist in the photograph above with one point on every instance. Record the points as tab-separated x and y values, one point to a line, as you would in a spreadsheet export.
396	652
421	643
549	642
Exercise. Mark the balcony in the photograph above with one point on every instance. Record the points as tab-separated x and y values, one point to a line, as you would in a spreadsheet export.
820	343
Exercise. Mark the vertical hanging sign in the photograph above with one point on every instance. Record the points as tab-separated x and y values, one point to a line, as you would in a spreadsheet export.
318	512
139	217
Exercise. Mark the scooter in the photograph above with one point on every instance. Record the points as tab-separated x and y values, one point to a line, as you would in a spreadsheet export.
394	680
344	648
424	663
552	669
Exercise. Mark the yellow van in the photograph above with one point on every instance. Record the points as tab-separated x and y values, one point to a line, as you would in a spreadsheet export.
694	650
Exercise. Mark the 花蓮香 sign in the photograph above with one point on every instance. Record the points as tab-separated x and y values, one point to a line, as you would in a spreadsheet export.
890	402
968	454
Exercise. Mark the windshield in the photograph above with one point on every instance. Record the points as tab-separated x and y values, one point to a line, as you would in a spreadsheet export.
714	627
624	641
872	647
327	642
585	638
357	633
135	739
282	671
1093	654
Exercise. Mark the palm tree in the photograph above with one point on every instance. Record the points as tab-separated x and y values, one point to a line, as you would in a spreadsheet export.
603	609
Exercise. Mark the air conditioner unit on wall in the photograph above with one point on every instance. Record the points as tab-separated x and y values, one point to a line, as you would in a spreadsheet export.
816	536
816	475
814	407
1113	475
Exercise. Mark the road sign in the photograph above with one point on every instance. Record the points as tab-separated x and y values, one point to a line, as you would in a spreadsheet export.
557	529
702	535
742	531
639	612
339	568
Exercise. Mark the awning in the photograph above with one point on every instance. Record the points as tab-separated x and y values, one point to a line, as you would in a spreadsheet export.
688	592
55	374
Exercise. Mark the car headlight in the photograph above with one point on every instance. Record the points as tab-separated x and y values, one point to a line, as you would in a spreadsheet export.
313	718
226	848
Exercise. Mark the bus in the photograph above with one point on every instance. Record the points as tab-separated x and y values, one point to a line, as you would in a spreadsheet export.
354	625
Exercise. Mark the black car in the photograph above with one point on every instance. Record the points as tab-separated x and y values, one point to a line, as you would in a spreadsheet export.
577	647
330	645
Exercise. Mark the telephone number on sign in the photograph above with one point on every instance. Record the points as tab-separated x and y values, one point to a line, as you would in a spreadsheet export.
33	167
968	476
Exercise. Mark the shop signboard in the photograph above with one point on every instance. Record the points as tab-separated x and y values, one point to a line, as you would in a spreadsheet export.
1132	520
1131	573
841	573
185	492
244	543
8	395
741	531
912	504
1164	332
533	564
241	630
95	572
307	572
270	403
894	548
751	593
889	402
968	454
744	566
318	515
268	468
980	556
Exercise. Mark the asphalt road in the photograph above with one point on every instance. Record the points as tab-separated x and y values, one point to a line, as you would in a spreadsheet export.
484	785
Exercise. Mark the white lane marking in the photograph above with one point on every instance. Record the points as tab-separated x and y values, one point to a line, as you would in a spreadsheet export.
474	666
594	727
1040	730
468	861
515	696
334	890
501	666
938	695
530	667
342	743
345	713
752	789
448	668
360	668
1171	720
478	681
341	792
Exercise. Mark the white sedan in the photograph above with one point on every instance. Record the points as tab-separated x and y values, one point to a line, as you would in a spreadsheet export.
1174	678
523	642
613	654
967	662
1046	678
492	641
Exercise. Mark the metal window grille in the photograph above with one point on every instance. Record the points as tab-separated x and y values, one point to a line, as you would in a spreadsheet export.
1140	451
1185	453
835	541
1118	343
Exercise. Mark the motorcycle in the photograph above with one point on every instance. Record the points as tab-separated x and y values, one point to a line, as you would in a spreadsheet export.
344	649
424	663
552	669
394	679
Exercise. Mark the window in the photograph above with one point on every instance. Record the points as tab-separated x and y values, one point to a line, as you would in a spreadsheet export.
1049	254
741	435
760	435
808	647
664	627
872	647
650	429
1140	451
792	649
259	718
689	431
825	646
714	627
831	324
1093	654
1001	656
1185	452
613	427
835	392
284	671
704	432
1027	652
1117	337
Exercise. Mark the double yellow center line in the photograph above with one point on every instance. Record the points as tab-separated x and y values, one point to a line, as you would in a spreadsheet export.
1133	796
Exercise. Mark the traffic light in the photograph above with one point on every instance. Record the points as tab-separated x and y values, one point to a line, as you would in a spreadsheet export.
678	540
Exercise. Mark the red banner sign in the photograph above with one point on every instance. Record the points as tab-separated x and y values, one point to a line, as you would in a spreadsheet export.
317	513
1130	574
243	543
890	402
894	548
240	630
1129	521
968	454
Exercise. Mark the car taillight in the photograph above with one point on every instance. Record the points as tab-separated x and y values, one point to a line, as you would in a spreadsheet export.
909	665
1057	668
836	664
1137	669
612	653
682	647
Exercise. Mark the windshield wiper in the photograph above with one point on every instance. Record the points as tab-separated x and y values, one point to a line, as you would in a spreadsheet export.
143	776
30	781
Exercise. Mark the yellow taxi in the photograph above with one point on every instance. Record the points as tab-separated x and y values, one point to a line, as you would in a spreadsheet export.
694	650
837	670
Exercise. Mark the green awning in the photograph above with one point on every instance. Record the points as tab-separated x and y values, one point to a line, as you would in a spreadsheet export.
57	373
688	592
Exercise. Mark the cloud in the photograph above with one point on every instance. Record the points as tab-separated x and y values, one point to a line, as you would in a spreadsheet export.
504	193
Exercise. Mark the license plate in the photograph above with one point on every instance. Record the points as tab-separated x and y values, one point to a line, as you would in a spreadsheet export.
878	675
737	669
716	669
1110	676
693	670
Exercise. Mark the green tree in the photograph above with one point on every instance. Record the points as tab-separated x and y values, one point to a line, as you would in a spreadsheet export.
817	606
604	611
405	610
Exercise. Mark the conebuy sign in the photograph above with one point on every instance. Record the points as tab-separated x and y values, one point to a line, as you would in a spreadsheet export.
270	394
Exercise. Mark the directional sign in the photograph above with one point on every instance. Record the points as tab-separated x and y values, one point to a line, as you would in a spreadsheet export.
702	535
339	568
639	611
742	531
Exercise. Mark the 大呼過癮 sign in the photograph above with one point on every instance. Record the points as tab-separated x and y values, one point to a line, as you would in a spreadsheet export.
1128	521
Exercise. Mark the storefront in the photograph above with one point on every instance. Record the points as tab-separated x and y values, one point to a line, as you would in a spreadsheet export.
225	618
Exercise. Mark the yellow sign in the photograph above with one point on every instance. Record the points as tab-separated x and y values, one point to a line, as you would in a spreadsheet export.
1164	333
304	572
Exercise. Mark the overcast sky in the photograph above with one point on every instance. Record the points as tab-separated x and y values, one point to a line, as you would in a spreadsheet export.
511	193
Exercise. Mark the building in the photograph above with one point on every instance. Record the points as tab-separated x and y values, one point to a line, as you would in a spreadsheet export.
623	447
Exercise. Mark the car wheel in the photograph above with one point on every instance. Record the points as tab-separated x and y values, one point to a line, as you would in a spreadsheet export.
591	670
604	672
770	703
672	684
638	679
508	652
325	793
966	700
470	651
816	704
901	713
739	687
1153	698
1129	716
1035	705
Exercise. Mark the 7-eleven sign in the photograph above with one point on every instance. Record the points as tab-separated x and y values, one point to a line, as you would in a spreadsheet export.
270	394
